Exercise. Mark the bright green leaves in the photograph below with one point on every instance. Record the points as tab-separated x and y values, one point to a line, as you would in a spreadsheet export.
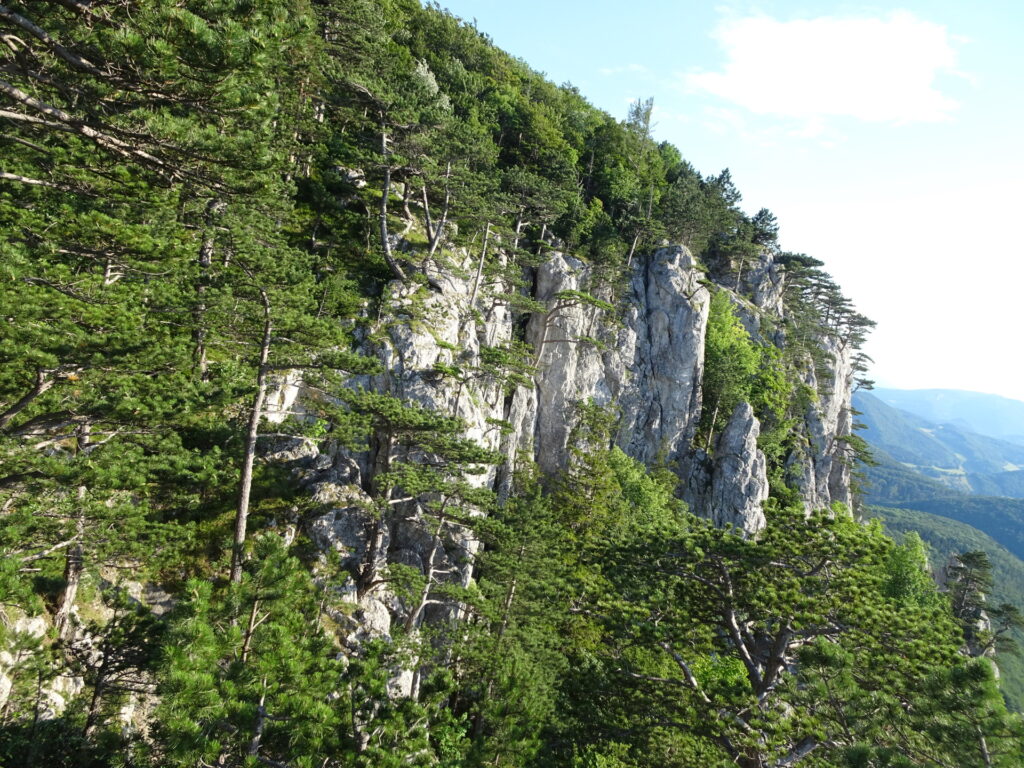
775	648
908	578
222	204
736	369
251	672
730	365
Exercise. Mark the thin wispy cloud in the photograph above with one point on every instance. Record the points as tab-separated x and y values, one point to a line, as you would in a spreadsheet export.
623	69
880	70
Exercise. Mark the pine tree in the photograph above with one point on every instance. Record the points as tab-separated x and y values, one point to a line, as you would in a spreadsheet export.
250	674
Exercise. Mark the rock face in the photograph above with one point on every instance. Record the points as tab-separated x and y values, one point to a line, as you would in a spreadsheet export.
23	633
649	366
640	351
739	481
823	468
764	281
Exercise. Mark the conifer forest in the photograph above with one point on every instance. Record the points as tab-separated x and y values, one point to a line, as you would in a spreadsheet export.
367	400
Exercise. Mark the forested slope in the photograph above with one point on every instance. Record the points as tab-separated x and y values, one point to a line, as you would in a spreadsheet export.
353	412
947	537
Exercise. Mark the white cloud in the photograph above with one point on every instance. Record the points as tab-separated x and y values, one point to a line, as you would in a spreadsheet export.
879	70
661	116
767	133
625	68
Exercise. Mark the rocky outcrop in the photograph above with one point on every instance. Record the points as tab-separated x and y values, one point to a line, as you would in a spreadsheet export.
640	351
647	362
764	282
739	480
731	487
24	636
661	399
822	468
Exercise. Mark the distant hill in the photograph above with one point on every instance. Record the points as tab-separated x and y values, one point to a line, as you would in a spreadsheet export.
961	460
990	415
1000	518
890	482
946	536
999	484
894	486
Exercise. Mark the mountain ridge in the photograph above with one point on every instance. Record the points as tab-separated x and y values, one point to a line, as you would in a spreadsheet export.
962	460
985	414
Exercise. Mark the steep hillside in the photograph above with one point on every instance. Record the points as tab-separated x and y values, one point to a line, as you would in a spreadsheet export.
892	485
1000	518
998	484
887	481
369	401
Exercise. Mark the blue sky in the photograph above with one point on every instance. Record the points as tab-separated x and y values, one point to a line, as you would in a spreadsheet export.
887	138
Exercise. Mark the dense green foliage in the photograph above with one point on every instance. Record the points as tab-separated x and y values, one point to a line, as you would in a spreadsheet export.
198	198
736	370
945	538
949	521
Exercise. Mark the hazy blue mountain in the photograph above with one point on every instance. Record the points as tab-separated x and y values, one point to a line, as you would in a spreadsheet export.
990	415
960	459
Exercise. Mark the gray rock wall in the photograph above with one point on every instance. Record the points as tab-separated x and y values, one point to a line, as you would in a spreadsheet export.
647	362
825	464
643	355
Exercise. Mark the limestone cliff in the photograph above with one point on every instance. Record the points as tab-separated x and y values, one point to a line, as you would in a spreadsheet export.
639	350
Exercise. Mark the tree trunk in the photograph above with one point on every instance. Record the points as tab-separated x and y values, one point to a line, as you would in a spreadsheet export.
442	222
406	194
428	223
711	427
261	721
205	260
73	565
110	273
519	226
381	464
414	616
72	578
480	268
92	716
385	243
986	755
44	380
632	249
250	630
241	518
